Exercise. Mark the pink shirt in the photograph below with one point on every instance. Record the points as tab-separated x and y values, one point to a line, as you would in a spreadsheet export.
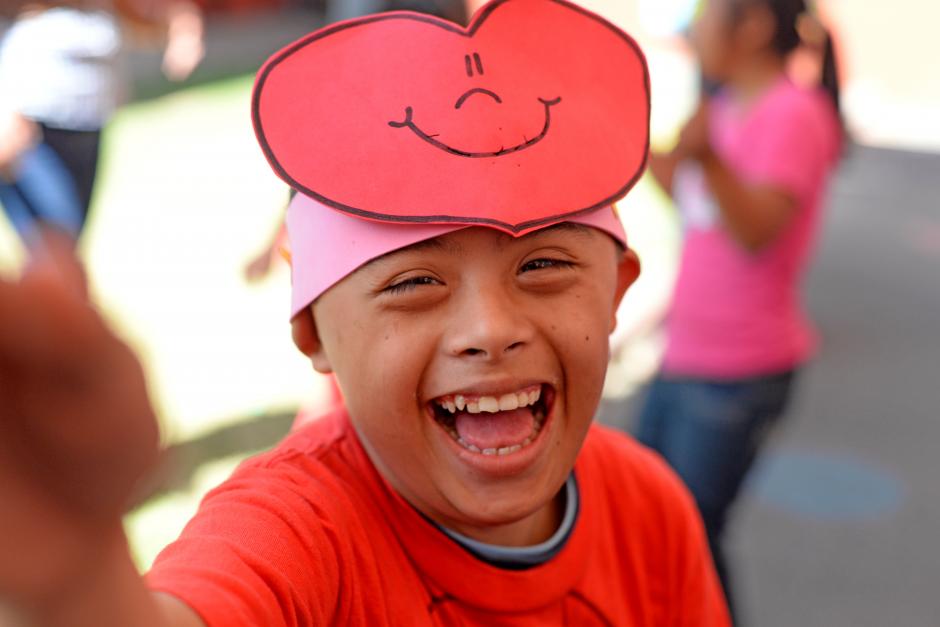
735	313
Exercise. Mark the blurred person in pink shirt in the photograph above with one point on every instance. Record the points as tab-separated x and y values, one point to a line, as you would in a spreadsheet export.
749	175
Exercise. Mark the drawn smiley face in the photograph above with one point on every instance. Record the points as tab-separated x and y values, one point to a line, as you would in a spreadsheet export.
537	110
477	63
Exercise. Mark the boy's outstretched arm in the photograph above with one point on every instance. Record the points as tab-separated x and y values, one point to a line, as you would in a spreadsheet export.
77	432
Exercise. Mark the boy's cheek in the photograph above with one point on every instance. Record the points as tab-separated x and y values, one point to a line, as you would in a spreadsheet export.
386	369
585	351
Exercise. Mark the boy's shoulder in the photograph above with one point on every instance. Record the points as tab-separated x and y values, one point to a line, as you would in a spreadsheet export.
316	438
290	519
638	484
319	457
649	520
631	461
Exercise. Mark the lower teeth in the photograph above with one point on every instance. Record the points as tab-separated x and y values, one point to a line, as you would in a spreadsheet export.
505	450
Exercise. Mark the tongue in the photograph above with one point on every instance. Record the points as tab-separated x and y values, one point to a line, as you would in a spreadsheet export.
497	430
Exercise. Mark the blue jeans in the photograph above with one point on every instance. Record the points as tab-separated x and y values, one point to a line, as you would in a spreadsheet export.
43	194
710	432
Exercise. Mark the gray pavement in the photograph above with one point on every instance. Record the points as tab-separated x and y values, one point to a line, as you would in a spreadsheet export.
864	435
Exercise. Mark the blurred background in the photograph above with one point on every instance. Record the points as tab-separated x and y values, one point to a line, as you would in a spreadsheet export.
838	524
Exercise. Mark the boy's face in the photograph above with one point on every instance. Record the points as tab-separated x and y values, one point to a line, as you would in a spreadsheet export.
480	315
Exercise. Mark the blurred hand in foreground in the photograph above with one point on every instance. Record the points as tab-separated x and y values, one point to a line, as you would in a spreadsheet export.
77	431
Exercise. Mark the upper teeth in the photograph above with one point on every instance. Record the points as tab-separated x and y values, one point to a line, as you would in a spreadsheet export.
490	404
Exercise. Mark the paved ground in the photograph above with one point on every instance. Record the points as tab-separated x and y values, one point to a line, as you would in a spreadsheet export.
841	529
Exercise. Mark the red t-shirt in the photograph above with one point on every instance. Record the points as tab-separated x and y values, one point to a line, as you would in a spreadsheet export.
311	534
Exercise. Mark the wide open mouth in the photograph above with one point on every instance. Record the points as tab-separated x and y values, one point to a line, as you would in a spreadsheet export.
495	425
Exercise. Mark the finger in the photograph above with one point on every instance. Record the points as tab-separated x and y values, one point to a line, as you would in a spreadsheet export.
54	259
43	319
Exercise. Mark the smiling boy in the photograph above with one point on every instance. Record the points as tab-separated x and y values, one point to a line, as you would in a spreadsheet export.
472	364
463	483
472	321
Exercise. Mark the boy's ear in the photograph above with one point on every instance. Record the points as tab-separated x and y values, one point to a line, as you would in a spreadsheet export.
307	340
628	269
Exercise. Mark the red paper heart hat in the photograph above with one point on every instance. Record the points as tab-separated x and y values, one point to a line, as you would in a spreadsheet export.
538	111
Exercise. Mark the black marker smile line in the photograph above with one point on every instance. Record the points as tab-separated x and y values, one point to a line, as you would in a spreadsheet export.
409	123
477	90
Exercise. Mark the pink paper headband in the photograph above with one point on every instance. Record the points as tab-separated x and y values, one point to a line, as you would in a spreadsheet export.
328	245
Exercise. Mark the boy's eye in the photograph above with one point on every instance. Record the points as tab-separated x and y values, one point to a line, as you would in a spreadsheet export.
406	285
544	264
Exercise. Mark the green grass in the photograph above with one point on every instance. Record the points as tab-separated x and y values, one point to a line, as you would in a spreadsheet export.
185	199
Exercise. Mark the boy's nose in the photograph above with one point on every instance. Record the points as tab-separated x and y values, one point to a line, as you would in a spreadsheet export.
488	326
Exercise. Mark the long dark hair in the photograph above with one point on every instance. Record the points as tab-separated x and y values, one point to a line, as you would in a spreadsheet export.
787	38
